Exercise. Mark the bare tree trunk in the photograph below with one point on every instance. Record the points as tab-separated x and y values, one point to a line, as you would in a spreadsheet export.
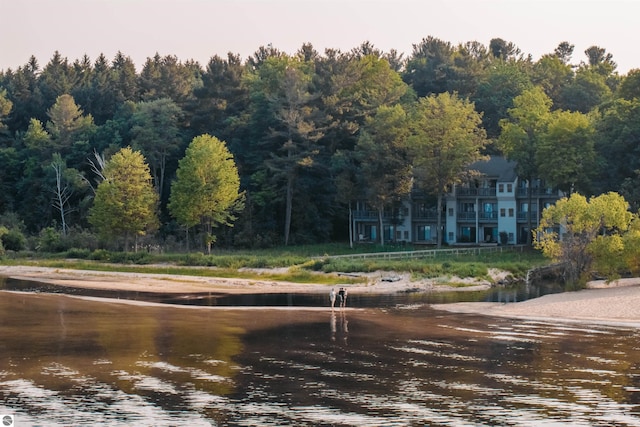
62	196
380	211
529	220
350	226
289	208
439	221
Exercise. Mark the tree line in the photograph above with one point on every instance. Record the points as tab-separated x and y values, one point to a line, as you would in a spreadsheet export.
308	132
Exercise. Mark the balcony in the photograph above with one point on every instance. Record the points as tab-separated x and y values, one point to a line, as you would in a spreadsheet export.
476	192
488	216
426	215
466	216
535	192
366	215
482	216
523	216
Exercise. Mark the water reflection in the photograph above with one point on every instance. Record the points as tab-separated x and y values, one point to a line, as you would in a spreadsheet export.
339	326
498	294
67	361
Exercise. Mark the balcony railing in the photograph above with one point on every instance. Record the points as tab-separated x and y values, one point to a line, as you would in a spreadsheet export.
524	216
466	216
535	192
482	216
372	215
481	192
426	215
488	216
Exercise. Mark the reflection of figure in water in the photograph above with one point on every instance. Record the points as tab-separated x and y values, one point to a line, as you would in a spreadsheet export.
332	297
344	322
332	325
344	326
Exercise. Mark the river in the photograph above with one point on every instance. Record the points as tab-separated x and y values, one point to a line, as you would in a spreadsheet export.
76	361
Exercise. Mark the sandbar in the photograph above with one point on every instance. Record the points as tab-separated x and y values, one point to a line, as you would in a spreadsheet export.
610	303
616	302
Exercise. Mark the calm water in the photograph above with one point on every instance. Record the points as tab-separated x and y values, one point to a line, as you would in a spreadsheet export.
69	361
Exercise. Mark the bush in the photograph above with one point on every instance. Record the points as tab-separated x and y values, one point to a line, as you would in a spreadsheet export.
14	240
49	240
78	253
3	231
100	255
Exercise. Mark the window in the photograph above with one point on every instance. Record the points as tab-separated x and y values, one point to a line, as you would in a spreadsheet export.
511	212
509	188
450	211
424	232
467	207
500	188
451	236
503	212
511	237
490	207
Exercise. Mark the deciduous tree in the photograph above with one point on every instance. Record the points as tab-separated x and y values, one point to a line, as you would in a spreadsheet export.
577	232
125	203
521	134
206	189
447	137
566	155
383	166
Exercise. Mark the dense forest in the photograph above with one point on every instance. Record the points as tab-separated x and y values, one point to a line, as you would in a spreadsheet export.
295	124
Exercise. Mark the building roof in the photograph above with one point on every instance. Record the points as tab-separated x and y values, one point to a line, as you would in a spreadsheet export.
496	167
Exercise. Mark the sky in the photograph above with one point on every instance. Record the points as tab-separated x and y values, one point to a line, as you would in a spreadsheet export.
200	29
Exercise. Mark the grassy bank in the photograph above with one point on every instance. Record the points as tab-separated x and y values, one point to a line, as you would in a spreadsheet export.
301	264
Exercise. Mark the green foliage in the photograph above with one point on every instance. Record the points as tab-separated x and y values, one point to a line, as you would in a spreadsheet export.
156	134
75	253
566	155
14	240
592	234
125	203
446	138
49	240
206	189
3	231
292	122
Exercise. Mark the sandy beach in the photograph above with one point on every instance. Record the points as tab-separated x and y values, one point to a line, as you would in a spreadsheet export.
614	303
617	302
378	282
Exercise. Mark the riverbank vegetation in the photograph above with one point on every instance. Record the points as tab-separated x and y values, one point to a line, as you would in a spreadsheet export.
296	125
302	137
304	264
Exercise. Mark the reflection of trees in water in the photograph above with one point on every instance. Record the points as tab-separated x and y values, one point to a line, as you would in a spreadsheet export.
110	342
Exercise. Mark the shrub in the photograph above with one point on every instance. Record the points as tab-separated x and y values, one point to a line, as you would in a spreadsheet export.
48	240
100	255
14	240
78	253
3	231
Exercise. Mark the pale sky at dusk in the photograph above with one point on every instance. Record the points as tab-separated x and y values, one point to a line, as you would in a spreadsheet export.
199	29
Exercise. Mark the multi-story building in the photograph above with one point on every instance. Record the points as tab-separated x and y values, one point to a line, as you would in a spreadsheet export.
492	207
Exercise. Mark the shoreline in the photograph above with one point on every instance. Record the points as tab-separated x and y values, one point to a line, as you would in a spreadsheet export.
616	302
377	283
